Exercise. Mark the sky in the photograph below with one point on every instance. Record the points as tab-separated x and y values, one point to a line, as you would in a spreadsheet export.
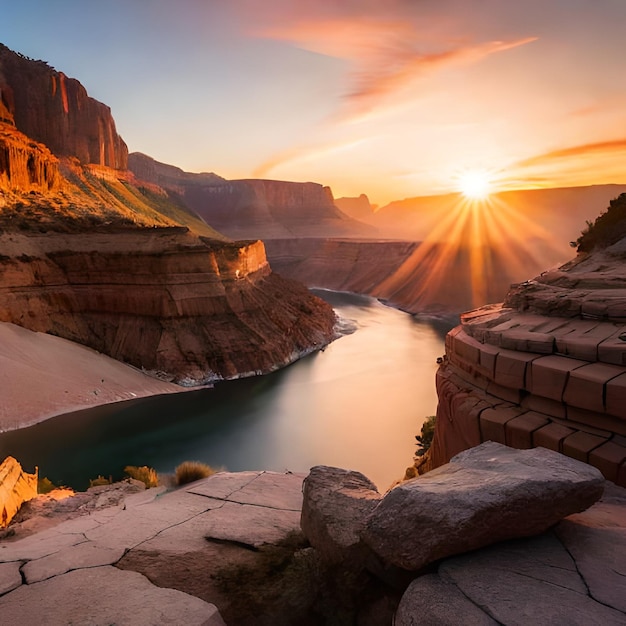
392	98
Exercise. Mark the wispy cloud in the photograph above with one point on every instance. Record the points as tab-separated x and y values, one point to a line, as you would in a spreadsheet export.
384	54
588	149
308	151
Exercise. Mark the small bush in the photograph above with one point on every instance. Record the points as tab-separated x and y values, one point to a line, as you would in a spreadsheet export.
147	475
99	481
608	228
45	485
426	437
188	471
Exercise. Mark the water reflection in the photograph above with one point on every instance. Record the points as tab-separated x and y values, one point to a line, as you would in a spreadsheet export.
357	405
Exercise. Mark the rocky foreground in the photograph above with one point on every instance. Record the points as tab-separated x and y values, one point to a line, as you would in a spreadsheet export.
229	549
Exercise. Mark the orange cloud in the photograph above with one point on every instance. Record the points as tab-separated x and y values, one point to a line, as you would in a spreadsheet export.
615	145
308	151
385	54
400	66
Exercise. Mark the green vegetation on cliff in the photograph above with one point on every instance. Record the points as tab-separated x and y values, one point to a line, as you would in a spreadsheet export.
608	228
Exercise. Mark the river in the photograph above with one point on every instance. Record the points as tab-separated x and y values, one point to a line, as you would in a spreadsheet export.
358	404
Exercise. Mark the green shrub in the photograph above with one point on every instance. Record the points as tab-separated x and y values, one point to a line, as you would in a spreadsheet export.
147	475
608	228
188	471
99	481
426	437
45	485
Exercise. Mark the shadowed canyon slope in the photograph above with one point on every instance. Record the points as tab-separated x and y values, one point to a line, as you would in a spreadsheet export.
90	254
265	209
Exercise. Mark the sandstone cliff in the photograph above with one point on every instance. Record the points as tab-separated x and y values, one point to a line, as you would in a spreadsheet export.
341	264
547	367
185	308
253	208
55	110
93	255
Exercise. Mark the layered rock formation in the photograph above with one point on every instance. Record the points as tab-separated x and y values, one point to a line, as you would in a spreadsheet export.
253	208
547	367
163	300
25	165
94	256
55	110
16	487
341	264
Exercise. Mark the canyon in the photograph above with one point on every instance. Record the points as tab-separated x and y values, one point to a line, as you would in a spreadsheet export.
254	208
94	256
115	252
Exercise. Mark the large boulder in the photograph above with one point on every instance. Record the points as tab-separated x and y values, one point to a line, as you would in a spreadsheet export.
484	495
334	510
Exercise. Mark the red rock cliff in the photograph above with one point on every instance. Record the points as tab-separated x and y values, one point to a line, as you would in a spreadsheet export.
188	309
55	110
546	368
253	208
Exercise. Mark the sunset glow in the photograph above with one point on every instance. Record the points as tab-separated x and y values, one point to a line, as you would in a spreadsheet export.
475	185
391	99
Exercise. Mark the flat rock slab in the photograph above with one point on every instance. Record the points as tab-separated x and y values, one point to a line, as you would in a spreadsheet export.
432	601
10	577
596	540
249	525
268	489
104	595
487	494
86	554
523	582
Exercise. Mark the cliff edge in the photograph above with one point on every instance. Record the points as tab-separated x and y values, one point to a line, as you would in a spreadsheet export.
92	254
548	366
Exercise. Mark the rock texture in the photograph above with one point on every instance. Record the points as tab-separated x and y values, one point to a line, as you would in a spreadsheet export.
352	265
335	508
559	577
546	368
253	208
484	495
25	165
172	541
55	110
186	308
16	487
175	554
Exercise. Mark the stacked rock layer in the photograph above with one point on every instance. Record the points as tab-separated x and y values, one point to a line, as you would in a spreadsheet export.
546	368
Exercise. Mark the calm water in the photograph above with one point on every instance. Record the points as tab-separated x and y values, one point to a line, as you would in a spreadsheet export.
358	405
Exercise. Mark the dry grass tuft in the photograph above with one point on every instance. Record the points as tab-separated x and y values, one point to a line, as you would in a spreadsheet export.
147	475
188	471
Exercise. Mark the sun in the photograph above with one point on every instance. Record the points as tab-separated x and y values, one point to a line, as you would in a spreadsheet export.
475	185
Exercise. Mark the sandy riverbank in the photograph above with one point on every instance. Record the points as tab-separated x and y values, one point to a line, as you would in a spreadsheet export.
42	376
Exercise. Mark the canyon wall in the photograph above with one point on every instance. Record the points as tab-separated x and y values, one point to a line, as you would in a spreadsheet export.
253	208
55	110
339	264
545	368
25	165
414	276
184	308
92	255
